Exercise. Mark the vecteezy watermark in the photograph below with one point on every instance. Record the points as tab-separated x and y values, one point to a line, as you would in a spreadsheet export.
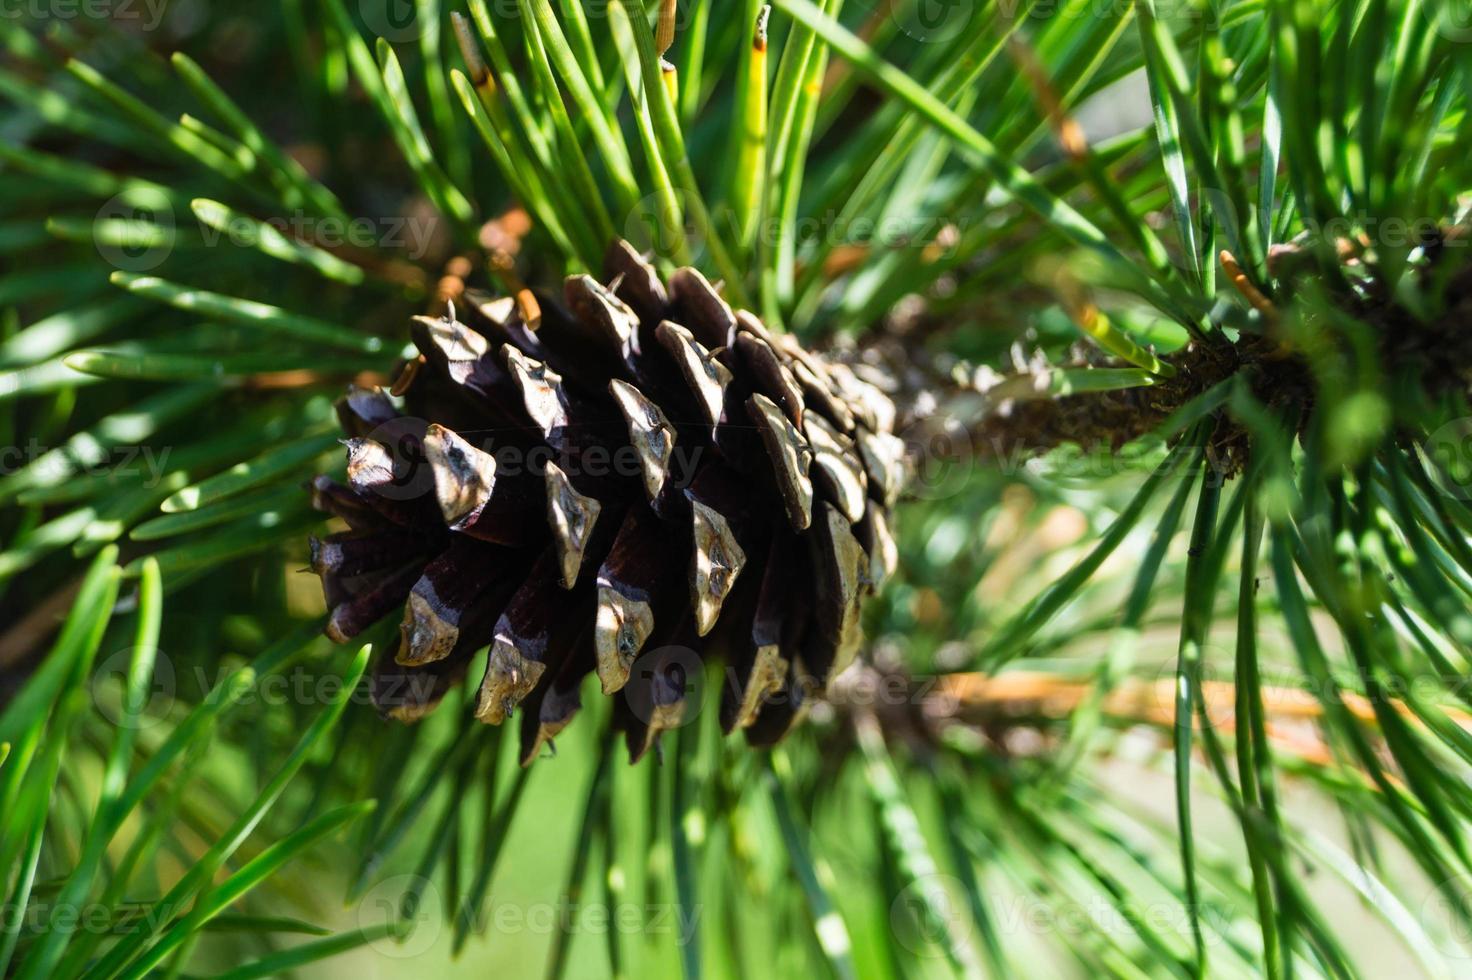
398	21
659	224
596	461
1385	231
148	14
415	902
932	913
1288	689
413	234
933	21
413	476
1098	914
49	467
571	917
930	21
1171	11
41	916
135	231
298	686
1446	916
412	902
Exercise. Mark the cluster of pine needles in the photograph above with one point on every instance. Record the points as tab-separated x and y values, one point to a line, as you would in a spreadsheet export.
1172	678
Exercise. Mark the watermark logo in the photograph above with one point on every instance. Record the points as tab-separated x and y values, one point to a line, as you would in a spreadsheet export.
925	916
1446	915
660	225
415	903
1449	450
932	21
412	476
941	457
1451	19
928	21
110	691
133	237
396	21
662	677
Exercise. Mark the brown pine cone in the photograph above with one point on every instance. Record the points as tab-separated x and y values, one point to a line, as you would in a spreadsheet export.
643	474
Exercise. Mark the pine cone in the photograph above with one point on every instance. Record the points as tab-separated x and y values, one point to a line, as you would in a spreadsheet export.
641	474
